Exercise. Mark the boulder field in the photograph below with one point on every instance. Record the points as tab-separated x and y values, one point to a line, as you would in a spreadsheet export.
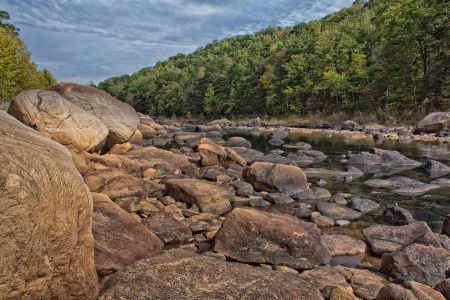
92	209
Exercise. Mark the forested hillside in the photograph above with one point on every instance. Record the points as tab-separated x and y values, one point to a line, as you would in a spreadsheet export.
17	71
390	57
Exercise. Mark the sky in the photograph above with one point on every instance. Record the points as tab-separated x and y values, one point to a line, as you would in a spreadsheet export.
87	41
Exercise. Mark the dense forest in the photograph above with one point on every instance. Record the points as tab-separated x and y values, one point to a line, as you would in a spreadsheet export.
389	57
17	71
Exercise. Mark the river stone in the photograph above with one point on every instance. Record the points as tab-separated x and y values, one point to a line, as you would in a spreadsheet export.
444	288
363	205
434	122
114	231
209	197
212	154
147	131
381	157
119	117
396	215
436	169
325	276
337	211
351	125
338	244
46	242
446	226
208	128
275	141
402	185
315	193
237	141
167	228
424	264
274	178
385	239
252	236
278	198
59	119
337	293
179	274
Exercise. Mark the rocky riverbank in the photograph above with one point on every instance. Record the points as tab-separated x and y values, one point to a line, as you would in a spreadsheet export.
196	221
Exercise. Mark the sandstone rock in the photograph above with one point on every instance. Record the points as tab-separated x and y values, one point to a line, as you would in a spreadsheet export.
396	292
385	239
180	274
434	122
422	291
278	198
443	287
208	128
325	276
276	178
125	190
248	235
337	211
147	131
136	138
167	228
213	154
119	117
351	125
424	264
315	193
114	231
46	243
338	244
363	205
396	215
209	197
59	119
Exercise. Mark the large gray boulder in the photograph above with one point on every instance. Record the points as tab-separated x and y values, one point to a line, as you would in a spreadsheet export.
385	239
252	236
181	274
380	157
436	169
46	243
273	178
119	117
434	122
114	231
59	119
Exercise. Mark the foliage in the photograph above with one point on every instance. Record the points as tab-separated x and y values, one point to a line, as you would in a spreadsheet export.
17	71
375	56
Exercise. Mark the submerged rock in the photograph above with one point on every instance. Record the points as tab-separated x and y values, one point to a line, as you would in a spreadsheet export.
253	236
338	244
395	215
381	157
403	185
179	274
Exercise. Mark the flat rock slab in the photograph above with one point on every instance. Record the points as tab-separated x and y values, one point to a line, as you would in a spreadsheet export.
338	244
363	205
337	211
385	239
181	274
167	228
209	197
114	231
315	193
252	236
424	264
403	185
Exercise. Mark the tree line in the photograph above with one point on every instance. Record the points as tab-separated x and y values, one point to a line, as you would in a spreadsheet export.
389	56
17	71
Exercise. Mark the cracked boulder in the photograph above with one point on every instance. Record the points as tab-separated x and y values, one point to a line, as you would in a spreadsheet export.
59	119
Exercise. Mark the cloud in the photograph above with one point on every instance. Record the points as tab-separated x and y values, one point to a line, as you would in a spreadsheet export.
84	40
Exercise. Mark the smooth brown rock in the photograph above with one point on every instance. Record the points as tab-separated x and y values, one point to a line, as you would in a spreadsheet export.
212	154
252	236
180	274
409	290
385	239
209	197
274	178
46	242
337	293
125	190
59	119
167	228
120	240
424	264
147	131
326	276
119	117
338	244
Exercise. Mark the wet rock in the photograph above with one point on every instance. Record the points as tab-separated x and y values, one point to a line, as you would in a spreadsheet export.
342	223
339	198
363	205
337	244
252	236
436	169
167	228
114	231
324	173
386	239
208	128
275	141
59	119
402	185
125	190
46	242
395	215
315	193
381	157
180	274
441	182
337	211
321	183
209	197
237	141
424	264
434	122
276	178
119	117
278	198
300	146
